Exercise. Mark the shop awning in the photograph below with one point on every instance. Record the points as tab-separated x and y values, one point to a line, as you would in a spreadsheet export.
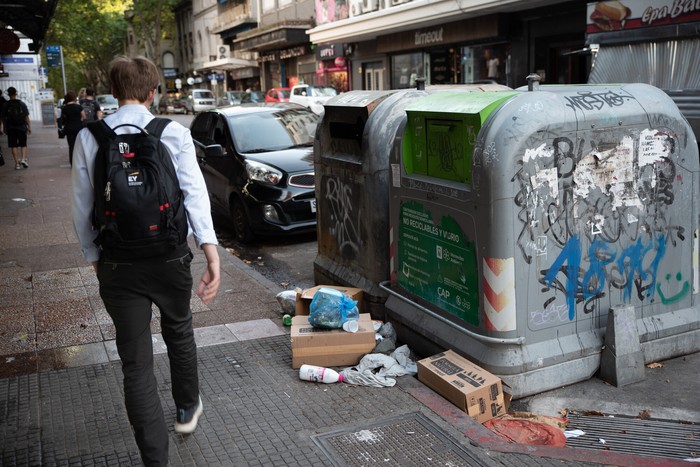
225	64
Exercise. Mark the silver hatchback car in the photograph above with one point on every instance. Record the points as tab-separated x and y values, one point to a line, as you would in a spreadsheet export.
108	103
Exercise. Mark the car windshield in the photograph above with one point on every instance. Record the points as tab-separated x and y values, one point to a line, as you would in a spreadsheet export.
203	95
324	91
273	131
107	100
283	93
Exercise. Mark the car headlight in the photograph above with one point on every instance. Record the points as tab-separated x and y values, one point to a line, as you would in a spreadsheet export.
262	173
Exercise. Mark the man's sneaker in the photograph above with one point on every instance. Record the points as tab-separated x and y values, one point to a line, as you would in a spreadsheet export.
187	418
24	163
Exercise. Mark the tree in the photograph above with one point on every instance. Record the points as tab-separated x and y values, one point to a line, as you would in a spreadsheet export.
91	33
153	21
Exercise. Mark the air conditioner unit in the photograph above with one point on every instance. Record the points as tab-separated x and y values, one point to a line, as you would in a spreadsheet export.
355	8
370	5
224	51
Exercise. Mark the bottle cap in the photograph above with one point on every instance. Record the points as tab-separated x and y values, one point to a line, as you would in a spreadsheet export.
351	326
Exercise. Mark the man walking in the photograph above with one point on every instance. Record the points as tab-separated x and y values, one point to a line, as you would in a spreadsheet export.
129	287
14	118
91	107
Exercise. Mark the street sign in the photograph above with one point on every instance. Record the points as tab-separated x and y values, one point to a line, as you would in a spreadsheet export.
178	83
53	56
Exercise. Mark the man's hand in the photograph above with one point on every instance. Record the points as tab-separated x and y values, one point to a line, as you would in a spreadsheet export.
209	283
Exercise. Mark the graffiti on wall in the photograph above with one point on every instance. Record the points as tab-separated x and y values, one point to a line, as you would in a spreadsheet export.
596	214
344	221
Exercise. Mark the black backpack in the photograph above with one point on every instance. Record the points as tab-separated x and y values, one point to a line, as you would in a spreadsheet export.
14	114
89	109
139	208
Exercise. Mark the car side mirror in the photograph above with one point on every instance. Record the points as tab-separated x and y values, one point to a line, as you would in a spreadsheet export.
214	150
303	93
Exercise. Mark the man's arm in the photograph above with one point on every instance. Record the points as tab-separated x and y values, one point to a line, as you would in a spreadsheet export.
209	283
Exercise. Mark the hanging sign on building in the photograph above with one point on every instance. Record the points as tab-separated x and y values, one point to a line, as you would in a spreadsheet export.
329	51
624	15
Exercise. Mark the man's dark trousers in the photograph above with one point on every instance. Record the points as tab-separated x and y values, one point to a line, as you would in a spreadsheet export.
128	288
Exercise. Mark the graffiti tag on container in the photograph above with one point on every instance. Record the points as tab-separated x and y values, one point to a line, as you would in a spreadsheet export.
590	101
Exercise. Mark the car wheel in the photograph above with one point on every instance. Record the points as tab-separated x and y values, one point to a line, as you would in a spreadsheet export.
241	223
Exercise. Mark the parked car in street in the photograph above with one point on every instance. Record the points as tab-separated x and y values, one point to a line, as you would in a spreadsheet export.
108	103
174	106
201	100
277	95
257	161
312	96
243	97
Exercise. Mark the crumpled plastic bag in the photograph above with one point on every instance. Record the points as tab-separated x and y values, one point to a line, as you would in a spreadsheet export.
330	308
386	339
379	370
287	300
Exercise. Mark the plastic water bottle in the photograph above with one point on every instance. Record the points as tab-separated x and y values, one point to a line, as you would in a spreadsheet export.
319	374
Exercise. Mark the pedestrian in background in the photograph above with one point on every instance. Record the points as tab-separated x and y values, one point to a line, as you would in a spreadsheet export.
129	288
91	107
2	102
72	117
14	119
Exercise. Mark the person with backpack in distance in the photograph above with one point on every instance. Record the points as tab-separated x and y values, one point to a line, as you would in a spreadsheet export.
72	117
14	118
136	188
91	107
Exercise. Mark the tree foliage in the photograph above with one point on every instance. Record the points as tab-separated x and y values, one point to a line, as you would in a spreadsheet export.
153	21
93	32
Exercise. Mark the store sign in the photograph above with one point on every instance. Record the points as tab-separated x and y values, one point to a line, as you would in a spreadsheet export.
329	51
271	57
429	37
293	52
624	15
21	67
169	72
243	73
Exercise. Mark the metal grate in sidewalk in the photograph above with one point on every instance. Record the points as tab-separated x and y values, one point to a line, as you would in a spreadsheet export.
405	440
624	434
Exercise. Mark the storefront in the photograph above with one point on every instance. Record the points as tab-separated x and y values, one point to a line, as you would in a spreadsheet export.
282	51
281	67
467	51
332	66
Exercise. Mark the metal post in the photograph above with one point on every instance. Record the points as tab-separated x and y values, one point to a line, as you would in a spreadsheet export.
63	71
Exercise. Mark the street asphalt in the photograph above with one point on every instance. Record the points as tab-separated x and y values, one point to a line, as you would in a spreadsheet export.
61	400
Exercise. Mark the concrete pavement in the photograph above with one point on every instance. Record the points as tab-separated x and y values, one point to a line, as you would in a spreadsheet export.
60	383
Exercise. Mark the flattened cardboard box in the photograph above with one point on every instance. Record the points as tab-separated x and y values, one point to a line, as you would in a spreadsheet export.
466	385
330	347
304	298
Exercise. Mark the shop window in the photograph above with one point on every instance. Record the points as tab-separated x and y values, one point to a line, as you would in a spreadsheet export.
405	69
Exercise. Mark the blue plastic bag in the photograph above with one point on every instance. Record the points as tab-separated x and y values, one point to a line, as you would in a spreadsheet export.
330	308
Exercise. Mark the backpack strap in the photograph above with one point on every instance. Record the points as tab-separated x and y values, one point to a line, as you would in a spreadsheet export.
156	126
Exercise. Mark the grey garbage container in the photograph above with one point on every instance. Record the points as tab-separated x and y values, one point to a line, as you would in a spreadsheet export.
520	219
351	162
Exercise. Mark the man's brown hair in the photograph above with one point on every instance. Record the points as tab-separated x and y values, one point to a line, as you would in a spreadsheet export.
133	78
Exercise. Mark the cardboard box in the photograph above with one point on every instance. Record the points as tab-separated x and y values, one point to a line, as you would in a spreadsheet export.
330	347
304	298
466	385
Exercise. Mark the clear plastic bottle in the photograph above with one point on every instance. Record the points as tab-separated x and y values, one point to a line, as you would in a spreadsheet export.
319	374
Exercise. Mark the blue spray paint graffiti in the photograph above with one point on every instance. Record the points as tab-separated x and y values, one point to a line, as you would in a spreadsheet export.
629	269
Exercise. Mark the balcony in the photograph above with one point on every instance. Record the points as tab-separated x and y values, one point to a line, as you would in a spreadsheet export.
234	17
